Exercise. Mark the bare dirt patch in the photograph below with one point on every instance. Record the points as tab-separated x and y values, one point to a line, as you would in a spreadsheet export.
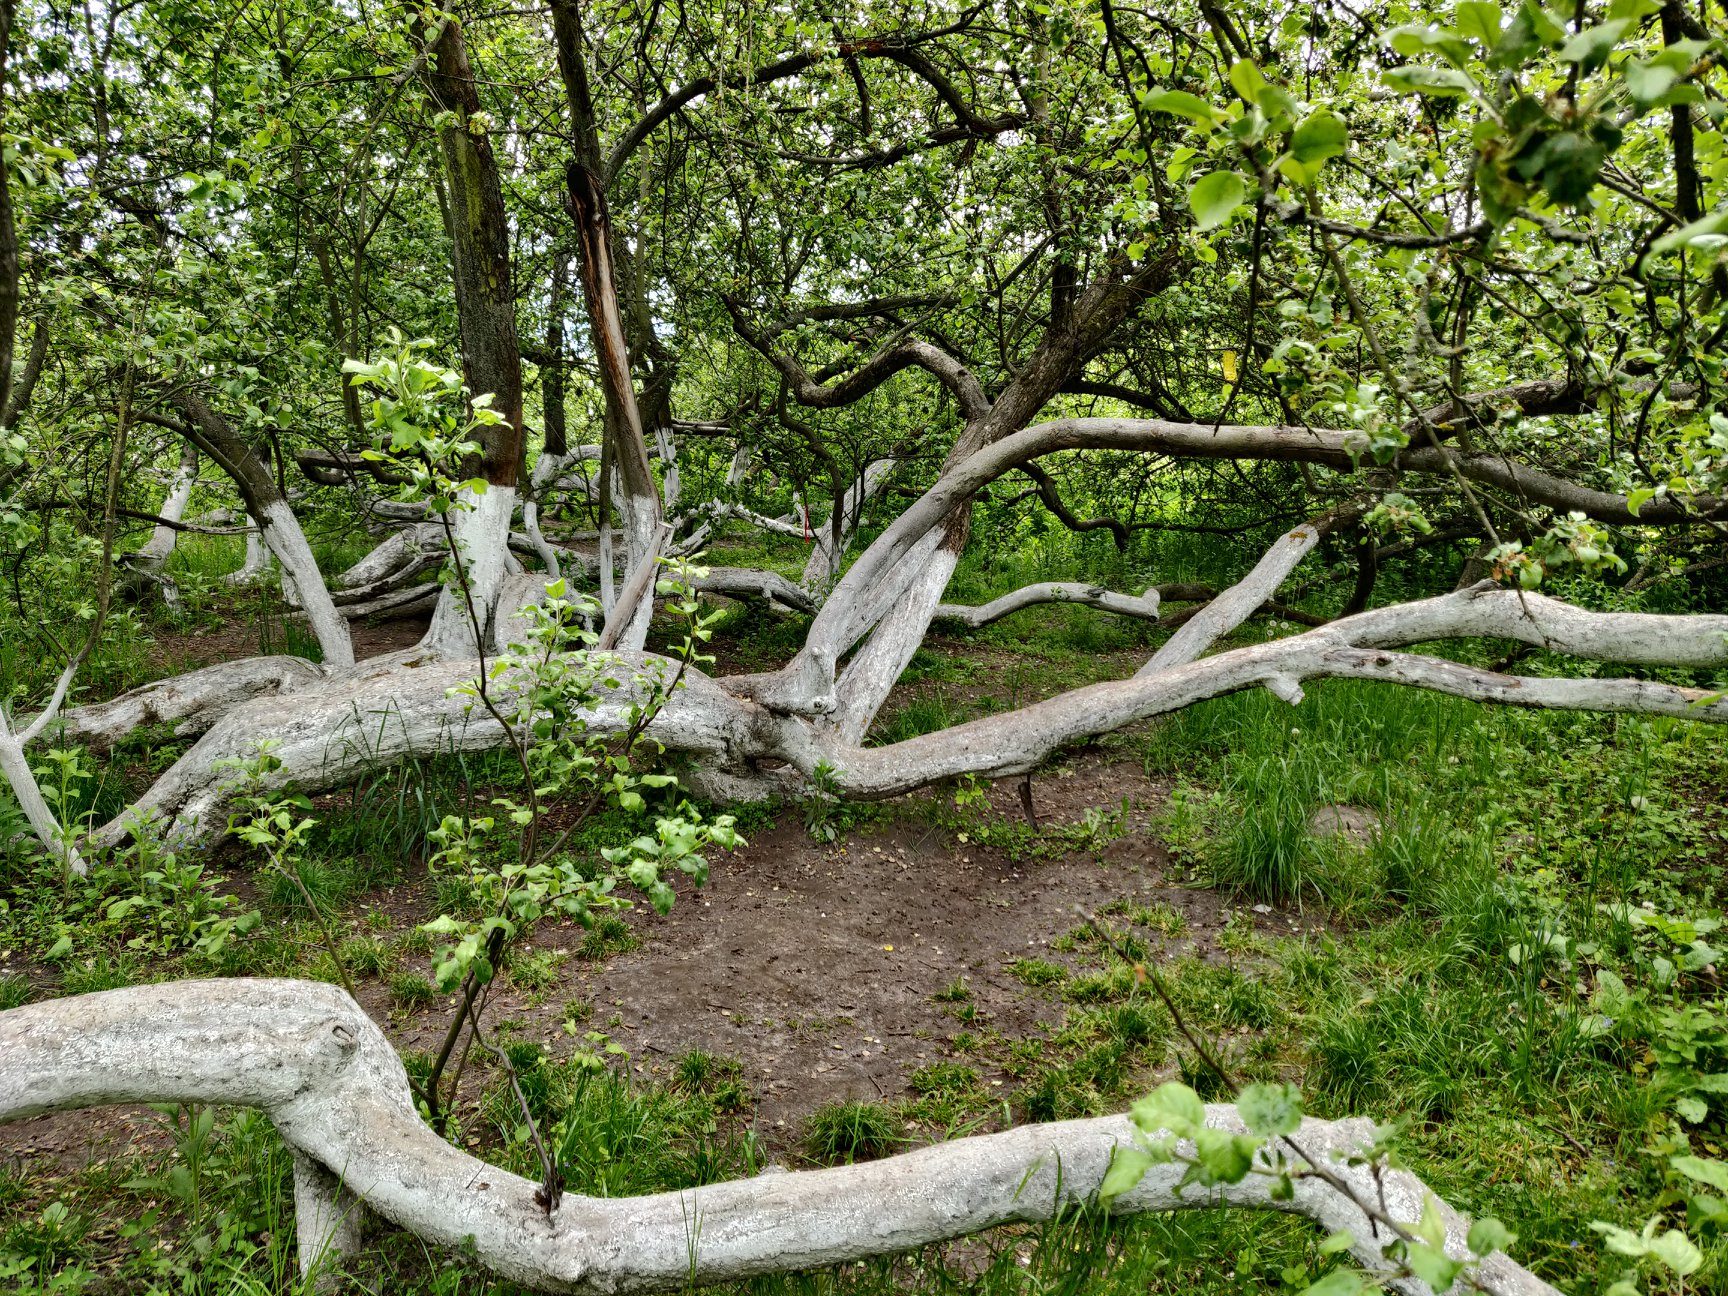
818	966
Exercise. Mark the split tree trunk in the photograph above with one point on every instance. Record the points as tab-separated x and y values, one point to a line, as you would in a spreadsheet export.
464	619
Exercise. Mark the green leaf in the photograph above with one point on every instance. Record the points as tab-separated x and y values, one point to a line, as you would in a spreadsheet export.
1706	229
1566	166
1430	1228
1675	1250
1638	498
1275	102
1297	173
1322	135
1442	83
1417	39
1181	104
1648	82
1548	29
1128	1166
1479	20
1591	47
1704	1169
1340	1282
1432	1265
1223	1157
1172	1106
1269	1109
1488	1235
1247	80
1531	29
1215	197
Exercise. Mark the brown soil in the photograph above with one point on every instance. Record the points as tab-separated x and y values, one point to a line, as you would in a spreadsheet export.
815	966
183	650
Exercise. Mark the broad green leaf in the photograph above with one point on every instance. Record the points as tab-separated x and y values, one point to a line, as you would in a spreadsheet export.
1704	1169
1675	1250
1297	173
1430	1228
1215	197
1648	82
1247	80
1566	166
1128	1166
1277	105
1432	1265
1322	135
1223	1157
1479	20
1182	104
1488	1235
1548	29
1340	1282
1269	1109
1443	83
1591	47
1531	29
1417	39
1708	227
1172	1106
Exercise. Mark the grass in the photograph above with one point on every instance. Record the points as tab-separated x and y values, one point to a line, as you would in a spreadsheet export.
609	935
841	1133
1446	978
409	990
1037	972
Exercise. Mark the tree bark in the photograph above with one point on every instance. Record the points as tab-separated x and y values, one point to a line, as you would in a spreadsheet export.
491	351
280	529
585	199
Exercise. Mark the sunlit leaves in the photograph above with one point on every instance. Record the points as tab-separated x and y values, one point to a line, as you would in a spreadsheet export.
1591	47
1443	83
1269	1109
1321	135
1479	20
1181	104
1214	198
1669	1247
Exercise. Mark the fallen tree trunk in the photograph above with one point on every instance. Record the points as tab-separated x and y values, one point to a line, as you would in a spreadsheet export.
307	1055
190	703
342	724
1143	606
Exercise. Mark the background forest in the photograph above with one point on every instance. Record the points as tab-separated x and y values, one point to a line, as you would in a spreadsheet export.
763	584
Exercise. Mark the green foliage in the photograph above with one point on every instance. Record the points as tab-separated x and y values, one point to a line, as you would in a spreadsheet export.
845	1132
1038	972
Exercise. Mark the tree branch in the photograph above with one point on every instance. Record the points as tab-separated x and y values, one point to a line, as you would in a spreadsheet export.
334	1088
